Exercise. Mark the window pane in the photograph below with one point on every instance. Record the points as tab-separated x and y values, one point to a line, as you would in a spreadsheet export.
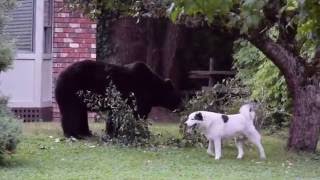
20	25
48	12
48	9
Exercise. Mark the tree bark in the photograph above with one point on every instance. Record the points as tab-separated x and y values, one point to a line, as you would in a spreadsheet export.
305	91
305	125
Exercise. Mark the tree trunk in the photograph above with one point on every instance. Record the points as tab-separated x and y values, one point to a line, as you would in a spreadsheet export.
304	89
305	125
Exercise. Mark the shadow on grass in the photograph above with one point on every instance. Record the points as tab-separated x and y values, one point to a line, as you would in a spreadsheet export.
12	161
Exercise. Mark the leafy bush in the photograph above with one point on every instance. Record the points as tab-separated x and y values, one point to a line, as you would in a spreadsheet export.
128	130
5	54
6	45
10	130
266	83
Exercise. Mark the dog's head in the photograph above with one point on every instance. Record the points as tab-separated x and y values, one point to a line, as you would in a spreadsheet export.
194	119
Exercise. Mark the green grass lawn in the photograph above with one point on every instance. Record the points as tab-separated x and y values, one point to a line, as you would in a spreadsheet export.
41	155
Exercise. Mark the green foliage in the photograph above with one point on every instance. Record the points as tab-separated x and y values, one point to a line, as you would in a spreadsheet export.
128	130
248	14
94	8
6	45
6	53
244	15
309	20
222	12
266	83
5	5
9	127
193	8
10	130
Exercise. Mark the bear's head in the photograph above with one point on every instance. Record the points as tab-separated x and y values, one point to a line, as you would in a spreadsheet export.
168	96
154	89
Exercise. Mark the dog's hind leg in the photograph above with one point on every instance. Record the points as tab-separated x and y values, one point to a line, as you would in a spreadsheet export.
239	144
255	138
217	148
210	148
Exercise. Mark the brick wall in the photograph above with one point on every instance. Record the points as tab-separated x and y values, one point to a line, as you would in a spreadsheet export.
74	39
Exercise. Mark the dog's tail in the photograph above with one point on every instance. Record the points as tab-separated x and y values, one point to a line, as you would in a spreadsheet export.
248	112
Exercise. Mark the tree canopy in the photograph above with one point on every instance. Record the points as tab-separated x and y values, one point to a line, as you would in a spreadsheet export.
296	22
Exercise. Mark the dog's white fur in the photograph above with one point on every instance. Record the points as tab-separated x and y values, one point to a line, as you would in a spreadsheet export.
215	129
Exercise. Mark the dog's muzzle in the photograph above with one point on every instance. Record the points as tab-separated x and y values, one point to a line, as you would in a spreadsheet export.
190	129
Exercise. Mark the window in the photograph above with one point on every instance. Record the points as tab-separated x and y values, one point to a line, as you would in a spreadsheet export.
48	11
20	26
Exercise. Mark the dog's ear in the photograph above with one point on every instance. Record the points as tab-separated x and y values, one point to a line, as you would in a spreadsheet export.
198	117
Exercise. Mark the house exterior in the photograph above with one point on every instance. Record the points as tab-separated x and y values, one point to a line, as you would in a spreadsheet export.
49	37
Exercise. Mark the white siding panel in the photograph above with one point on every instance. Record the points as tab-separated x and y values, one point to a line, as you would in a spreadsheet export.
18	83
46	84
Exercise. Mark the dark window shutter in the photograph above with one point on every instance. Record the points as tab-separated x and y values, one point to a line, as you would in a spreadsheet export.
21	23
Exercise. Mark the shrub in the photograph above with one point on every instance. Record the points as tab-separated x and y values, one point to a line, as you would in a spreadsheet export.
10	130
6	45
128	129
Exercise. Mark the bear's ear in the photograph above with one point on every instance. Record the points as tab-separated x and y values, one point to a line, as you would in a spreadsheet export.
168	83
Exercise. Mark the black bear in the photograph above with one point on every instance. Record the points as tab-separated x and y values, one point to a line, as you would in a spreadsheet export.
149	89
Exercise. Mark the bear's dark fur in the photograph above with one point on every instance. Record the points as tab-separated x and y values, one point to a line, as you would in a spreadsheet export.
149	89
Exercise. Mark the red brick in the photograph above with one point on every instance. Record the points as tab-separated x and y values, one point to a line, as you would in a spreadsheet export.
85	25
63	54
83	50
68	30
82	35
61	35
85	45
58	40
85	41
60	44
85	55
61	20
65	50
61	25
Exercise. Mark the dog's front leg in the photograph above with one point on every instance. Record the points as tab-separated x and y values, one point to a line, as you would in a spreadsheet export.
210	148
217	148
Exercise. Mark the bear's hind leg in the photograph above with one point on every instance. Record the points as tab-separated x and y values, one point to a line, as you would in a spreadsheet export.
74	119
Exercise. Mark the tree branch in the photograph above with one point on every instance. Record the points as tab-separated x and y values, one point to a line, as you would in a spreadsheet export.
288	32
287	62
275	14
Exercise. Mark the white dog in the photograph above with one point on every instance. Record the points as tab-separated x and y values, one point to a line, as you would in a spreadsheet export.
217	127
